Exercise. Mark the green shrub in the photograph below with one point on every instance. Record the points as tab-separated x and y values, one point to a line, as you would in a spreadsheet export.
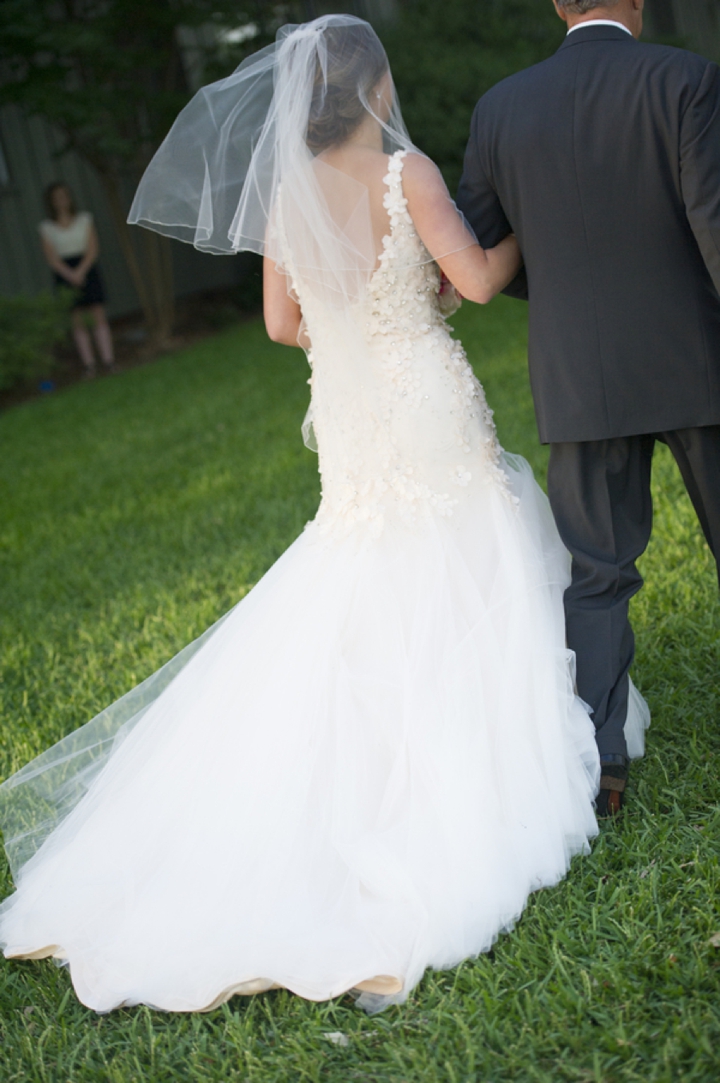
29	328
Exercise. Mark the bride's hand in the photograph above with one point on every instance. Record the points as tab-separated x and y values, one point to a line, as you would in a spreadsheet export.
449	298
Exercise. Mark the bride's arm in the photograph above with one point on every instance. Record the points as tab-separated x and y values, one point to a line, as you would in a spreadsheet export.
477	273
282	313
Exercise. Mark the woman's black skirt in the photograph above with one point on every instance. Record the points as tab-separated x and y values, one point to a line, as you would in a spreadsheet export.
92	293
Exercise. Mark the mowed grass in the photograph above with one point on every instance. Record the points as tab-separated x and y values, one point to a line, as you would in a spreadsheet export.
136	510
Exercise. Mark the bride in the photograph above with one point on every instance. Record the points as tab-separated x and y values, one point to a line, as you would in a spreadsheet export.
367	765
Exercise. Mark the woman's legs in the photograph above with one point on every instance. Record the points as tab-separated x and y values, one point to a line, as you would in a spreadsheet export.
82	341
103	335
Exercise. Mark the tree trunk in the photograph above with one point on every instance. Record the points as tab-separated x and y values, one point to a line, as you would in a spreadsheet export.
152	273
157	253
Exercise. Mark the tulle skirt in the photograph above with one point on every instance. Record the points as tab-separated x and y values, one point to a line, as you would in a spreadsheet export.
361	771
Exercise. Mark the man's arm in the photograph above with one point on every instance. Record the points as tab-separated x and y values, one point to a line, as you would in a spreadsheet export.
478	201
700	168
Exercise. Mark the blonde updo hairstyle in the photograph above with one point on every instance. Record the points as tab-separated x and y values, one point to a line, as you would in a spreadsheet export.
356	62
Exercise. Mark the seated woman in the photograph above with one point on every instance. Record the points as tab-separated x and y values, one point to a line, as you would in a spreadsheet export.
70	244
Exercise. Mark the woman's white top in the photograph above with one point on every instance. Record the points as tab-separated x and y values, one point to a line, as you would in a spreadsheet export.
69	240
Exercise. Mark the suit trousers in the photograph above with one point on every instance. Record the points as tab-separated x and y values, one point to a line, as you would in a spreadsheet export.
600	496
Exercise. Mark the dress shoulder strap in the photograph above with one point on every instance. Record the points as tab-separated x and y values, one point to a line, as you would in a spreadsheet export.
393	177
394	200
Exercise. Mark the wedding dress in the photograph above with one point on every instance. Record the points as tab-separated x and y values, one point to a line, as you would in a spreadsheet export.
366	766
369	763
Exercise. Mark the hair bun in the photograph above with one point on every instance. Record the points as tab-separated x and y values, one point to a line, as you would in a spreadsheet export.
355	64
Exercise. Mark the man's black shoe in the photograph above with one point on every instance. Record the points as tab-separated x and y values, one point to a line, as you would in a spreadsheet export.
609	801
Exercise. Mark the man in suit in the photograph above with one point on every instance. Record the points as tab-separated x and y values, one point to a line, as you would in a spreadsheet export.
605	162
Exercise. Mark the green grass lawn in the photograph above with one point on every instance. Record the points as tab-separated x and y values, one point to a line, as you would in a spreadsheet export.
134	511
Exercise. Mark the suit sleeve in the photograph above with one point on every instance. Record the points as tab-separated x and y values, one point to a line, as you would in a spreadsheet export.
700	168
479	202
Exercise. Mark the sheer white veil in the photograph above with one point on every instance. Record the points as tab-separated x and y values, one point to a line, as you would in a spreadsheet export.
242	167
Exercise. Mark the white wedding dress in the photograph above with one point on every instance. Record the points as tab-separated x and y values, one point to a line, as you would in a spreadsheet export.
368	764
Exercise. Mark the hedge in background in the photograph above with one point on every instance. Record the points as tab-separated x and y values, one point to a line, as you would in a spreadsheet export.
29	328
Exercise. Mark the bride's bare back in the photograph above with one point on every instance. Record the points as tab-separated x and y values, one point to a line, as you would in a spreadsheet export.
476	273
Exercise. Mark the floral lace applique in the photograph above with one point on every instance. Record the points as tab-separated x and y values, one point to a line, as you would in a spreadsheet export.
370	473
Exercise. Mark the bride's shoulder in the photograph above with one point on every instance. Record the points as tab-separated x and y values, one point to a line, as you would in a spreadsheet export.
421	175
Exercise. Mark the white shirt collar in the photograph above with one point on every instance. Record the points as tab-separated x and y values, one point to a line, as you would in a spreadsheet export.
598	22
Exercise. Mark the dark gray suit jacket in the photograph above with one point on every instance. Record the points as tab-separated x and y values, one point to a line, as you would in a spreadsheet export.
605	161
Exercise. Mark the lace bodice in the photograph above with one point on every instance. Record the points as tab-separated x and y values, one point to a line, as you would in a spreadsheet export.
402	426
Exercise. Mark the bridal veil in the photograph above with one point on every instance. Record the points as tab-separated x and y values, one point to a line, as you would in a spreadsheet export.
258	136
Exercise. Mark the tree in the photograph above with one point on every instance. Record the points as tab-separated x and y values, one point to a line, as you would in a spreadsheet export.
110	75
